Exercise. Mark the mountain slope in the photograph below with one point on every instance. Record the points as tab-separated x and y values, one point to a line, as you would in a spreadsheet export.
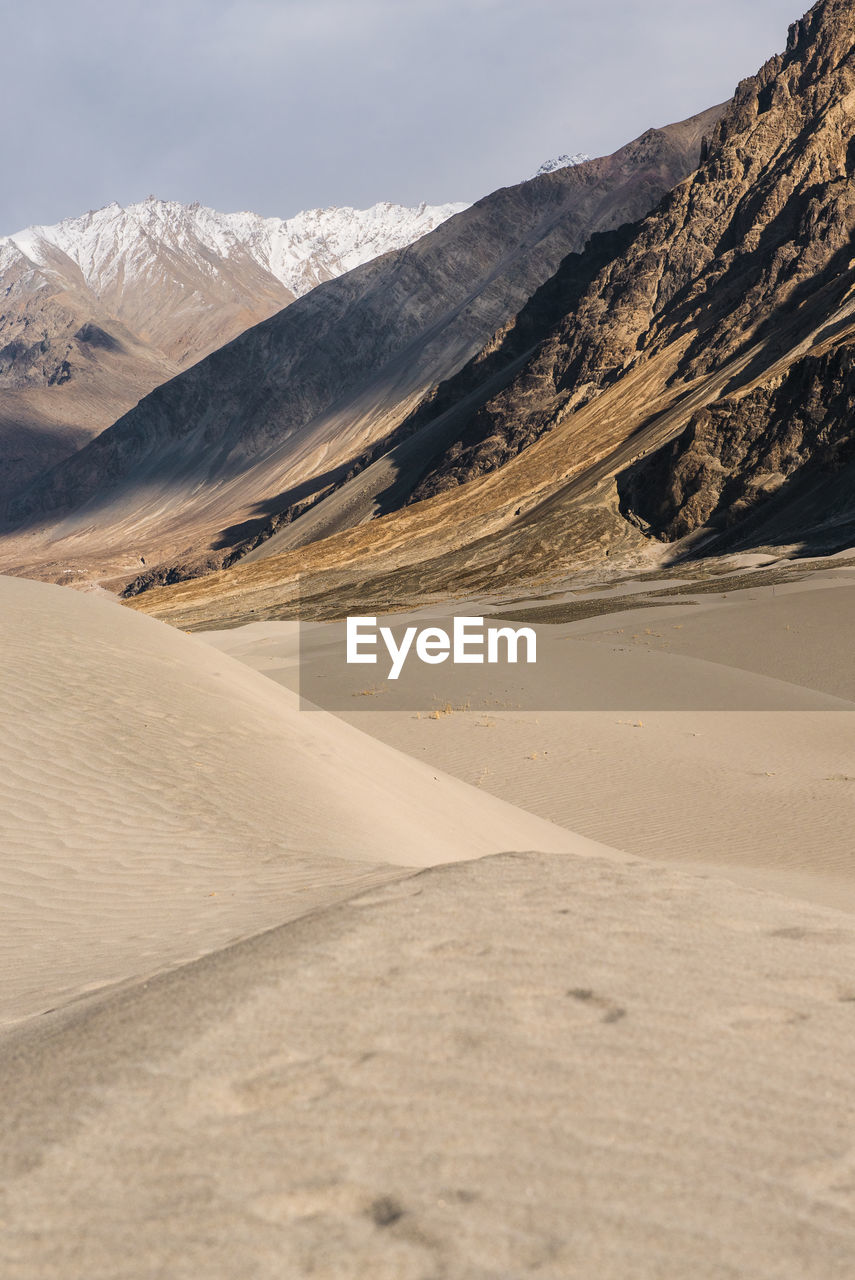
98	310
703	375
286	410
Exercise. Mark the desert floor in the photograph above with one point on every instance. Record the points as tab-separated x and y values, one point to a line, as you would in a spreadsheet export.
447	991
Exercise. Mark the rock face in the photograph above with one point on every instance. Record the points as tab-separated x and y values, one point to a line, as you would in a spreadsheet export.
98	310
777	460
290	406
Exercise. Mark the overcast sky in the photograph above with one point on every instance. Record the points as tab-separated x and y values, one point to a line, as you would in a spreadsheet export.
282	105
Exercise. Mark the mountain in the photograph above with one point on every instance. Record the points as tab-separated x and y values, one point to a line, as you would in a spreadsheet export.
695	395
212	461
733	304
100	309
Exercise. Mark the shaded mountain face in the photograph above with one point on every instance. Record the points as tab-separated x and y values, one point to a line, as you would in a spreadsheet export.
697	387
98	310
283	413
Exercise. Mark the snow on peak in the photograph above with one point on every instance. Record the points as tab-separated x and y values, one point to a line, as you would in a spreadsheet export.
116	244
561	162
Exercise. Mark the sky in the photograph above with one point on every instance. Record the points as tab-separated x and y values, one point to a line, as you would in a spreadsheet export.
283	105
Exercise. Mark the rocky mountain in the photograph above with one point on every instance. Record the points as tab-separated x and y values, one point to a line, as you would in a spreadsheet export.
98	310
739	290
695	390
267	425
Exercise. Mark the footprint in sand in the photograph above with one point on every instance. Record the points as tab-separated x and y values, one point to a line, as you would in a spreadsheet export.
760	1019
600	1007
797	934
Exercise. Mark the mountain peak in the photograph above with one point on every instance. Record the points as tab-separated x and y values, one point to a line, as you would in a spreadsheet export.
562	162
298	252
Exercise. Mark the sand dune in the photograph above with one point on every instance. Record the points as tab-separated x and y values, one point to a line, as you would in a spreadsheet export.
570	1062
524	1066
158	800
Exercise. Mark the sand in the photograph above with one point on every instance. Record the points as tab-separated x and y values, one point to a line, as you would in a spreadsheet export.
537	1065
159	800
282	998
717	731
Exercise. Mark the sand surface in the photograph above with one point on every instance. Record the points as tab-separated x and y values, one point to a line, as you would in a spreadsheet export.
158	800
716	730
249	1027
526	1066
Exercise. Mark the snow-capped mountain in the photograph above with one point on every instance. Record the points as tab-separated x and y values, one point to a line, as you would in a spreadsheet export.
115	246
96	311
148	260
561	162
